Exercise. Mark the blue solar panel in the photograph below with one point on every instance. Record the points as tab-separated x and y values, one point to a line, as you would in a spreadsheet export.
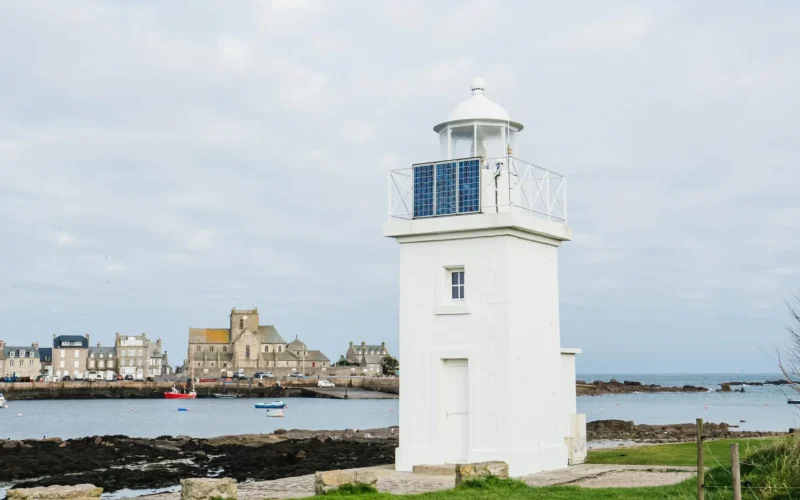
423	191
469	186
446	188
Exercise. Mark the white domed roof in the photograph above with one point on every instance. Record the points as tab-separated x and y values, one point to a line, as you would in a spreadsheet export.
478	107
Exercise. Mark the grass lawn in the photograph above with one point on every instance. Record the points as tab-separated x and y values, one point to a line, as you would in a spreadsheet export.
515	490
677	454
683	454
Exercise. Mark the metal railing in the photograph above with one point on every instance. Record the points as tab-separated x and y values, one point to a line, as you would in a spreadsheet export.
507	184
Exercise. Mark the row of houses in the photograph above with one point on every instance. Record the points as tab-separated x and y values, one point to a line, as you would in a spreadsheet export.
72	356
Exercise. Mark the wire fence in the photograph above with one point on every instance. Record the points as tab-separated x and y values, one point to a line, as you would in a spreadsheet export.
720	481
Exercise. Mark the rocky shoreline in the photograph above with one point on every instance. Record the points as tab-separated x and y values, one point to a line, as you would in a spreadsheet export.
117	462
621	430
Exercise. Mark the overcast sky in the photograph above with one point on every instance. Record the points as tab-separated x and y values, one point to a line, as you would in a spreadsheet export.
158	159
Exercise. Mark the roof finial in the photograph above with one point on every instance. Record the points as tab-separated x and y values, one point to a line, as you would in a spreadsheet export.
478	86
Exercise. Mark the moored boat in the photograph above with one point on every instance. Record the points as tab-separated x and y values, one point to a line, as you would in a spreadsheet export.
174	393
226	396
275	405
2	401
275	413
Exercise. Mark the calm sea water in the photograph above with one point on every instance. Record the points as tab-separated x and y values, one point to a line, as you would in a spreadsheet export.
762	408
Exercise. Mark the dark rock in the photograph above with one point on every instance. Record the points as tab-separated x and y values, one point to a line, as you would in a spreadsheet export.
280	431
321	438
10	445
300	455
725	388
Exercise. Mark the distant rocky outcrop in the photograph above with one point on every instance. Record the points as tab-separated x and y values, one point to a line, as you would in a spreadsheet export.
622	430
613	386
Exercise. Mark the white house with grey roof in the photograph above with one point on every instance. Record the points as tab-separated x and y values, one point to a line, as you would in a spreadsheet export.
368	357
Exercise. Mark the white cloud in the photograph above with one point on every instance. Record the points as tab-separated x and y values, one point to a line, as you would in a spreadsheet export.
201	240
64	238
242	151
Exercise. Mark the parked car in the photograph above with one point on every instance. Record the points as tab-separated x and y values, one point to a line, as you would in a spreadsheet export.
325	383
297	375
239	376
66	378
151	379
262	376
128	377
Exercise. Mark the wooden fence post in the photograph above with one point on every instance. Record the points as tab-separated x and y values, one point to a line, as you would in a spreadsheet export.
737	482
701	470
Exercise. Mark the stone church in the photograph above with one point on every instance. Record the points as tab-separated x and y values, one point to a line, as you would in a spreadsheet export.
247	347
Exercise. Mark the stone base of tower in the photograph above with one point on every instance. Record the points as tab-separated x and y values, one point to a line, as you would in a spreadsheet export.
520	462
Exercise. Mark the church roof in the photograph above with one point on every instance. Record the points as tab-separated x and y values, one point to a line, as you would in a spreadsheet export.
278	356
209	336
296	345
269	335
316	356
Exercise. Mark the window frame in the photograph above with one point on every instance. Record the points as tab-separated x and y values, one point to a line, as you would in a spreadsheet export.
456	283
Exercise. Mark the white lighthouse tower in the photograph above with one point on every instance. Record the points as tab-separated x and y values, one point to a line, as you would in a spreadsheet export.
484	374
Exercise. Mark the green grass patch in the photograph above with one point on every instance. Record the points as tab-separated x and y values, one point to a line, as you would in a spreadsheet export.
492	488
771	465
680	454
353	490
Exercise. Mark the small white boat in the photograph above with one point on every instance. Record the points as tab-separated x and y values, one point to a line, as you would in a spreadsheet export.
2	401
225	396
275	412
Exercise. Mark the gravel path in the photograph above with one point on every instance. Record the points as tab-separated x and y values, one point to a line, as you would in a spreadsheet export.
390	481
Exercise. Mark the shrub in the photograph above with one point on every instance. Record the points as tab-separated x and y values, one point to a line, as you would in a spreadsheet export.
774	471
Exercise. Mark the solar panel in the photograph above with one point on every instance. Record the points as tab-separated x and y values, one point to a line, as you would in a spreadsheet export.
423	191
447	188
469	186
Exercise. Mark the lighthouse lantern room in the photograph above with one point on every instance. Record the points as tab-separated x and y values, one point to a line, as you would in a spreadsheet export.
484	373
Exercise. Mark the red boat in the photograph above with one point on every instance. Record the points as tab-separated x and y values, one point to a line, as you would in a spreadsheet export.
176	394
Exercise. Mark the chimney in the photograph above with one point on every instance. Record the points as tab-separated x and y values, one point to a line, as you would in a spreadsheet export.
87	340
98	344
351	344
35	345
383	345
2	343
363	344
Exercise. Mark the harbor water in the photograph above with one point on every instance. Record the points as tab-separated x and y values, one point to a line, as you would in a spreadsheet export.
760	407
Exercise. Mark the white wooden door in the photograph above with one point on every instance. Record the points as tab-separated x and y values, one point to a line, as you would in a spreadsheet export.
454	419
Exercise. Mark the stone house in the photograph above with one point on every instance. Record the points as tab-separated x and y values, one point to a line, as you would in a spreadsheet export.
158	364
70	353
369	357
246	347
46	360
102	363
139	357
20	362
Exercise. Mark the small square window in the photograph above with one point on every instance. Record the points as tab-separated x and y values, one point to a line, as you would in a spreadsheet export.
457	284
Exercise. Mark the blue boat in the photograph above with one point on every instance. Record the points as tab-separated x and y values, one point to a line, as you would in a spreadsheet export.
275	405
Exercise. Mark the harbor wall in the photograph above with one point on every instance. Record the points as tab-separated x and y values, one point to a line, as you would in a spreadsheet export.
142	390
